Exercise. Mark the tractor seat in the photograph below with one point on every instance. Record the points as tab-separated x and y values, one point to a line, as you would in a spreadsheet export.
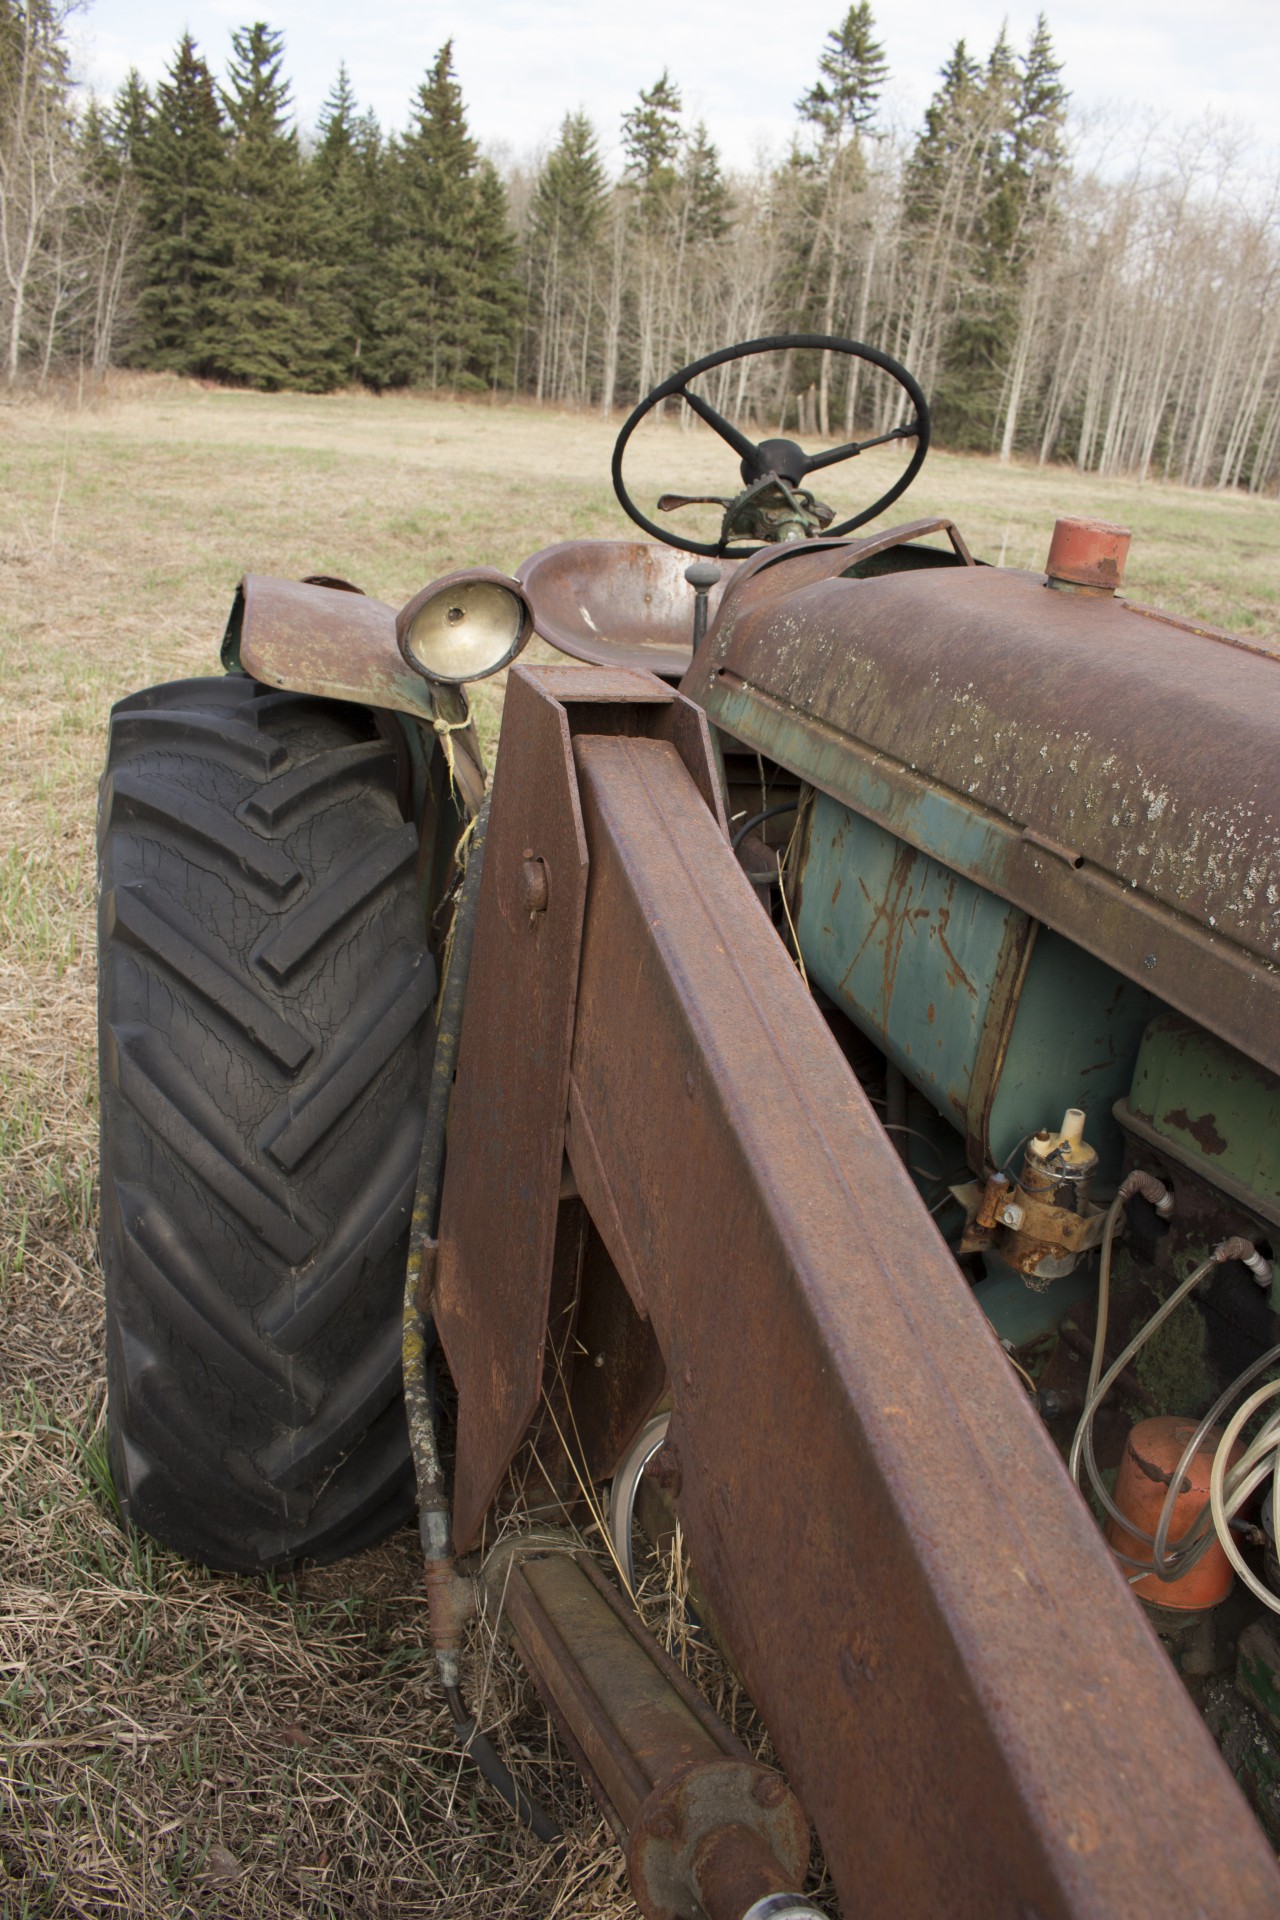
617	603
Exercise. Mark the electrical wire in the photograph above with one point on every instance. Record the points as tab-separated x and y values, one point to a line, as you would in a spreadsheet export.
1230	1488
758	819
1228	1494
914	1133
1082	1445
1197	1538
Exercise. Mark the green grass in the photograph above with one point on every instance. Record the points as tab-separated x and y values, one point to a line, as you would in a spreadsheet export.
172	1742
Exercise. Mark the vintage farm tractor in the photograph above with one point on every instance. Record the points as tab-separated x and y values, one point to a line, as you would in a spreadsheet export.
852	1020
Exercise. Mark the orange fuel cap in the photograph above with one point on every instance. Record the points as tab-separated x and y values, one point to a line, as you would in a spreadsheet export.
1087	553
1151	1457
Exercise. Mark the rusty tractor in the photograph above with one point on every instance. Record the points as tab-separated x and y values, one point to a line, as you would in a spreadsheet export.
829	1079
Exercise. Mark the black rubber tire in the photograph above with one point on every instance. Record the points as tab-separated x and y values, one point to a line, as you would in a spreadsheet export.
264	986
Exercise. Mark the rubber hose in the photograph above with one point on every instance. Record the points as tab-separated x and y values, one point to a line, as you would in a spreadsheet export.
495	1771
758	819
433	1505
434	1520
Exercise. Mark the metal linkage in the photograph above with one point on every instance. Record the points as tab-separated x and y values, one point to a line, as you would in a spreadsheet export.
706	1828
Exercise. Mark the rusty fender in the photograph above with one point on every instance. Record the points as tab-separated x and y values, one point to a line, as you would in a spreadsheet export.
957	1681
329	639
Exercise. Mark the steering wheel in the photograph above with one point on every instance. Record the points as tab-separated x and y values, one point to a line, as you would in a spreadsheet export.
781	457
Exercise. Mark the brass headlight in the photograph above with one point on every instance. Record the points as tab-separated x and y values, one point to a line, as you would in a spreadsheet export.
465	626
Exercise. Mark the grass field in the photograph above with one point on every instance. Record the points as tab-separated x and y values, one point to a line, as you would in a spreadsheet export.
173	1743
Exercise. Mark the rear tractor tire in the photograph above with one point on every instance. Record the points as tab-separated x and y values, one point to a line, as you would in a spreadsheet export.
264	986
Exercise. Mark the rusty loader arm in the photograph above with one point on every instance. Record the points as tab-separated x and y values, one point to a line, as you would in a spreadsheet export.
934	1632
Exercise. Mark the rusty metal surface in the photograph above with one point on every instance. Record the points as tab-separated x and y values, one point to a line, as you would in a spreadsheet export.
328	641
1114	777
779	570
506	1135
1088	553
699	1812
620	1372
733	1869
501	1191
729	1829
617	603
631	1710
997	1031
958	1683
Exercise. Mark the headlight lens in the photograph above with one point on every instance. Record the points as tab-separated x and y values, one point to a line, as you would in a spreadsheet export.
464	627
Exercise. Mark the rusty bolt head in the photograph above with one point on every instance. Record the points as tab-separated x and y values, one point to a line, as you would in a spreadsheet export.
535	889
770	1790
1087	553
661	1822
665	1471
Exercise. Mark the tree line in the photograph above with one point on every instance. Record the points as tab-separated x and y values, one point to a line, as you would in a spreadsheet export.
1127	323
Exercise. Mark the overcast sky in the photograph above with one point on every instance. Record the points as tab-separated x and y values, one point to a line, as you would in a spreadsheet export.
740	63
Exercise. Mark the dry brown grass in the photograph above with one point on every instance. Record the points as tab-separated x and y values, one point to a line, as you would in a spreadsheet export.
173	1743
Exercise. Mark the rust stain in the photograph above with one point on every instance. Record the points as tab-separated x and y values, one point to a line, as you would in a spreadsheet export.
931	1015
956	975
896	917
1202	1130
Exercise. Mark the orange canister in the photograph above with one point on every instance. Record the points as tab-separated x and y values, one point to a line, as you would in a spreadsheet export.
1151	1457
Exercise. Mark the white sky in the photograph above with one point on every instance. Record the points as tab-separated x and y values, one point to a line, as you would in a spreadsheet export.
741	64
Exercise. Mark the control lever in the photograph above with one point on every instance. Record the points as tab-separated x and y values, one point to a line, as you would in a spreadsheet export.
702	576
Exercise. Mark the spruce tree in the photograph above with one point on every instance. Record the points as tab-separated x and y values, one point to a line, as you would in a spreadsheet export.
826	189
129	124
1039	116
567	207
276	322
452	295
651	140
345	181
852	71
179	153
944	136
493	322
103	229
983	170
706	192
563	260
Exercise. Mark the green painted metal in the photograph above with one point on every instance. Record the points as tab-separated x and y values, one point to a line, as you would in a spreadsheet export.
1075	1037
1023	1314
914	953
966	837
1217	1112
906	946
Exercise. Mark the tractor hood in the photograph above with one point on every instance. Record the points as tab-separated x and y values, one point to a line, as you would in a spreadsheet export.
1110	769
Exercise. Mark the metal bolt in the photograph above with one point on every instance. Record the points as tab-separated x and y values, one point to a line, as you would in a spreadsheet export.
1011	1217
661	1823
535	890
770	1790
665	1470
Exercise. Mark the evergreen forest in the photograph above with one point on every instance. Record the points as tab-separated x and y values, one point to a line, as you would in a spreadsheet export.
1124	321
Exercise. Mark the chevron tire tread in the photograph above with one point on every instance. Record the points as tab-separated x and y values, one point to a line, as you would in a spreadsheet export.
264	991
